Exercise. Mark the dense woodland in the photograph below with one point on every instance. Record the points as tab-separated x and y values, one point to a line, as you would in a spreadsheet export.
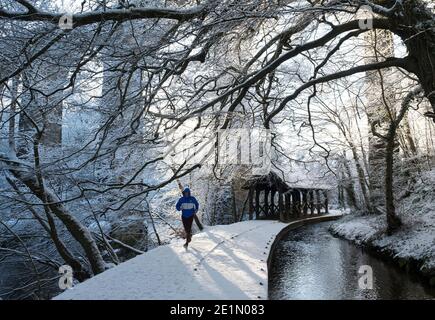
107	107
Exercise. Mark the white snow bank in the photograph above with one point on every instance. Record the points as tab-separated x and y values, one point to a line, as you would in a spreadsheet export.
415	240
360	229
411	242
222	262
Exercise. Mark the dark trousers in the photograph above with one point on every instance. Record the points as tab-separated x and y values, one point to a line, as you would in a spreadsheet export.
187	223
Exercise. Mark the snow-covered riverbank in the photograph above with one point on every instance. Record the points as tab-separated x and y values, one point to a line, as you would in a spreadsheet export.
413	246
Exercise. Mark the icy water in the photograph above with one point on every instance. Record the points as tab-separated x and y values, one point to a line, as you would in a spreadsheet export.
310	263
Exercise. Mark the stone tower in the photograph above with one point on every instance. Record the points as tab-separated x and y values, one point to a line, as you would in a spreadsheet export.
42	100
381	99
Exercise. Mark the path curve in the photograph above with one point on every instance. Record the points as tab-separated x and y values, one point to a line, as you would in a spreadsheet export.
222	262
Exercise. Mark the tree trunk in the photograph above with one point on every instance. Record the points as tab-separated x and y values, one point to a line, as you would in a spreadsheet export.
12	111
420	42
349	187
79	272
73	225
361	178
408	140
393	221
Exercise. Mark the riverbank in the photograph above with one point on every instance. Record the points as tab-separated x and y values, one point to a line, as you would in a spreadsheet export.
413	246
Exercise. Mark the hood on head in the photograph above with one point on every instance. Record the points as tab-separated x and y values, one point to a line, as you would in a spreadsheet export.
186	192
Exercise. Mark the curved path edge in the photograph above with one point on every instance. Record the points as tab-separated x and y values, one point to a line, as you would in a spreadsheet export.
228	262
293	225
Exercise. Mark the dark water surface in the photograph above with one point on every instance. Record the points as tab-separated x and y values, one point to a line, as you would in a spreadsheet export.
310	263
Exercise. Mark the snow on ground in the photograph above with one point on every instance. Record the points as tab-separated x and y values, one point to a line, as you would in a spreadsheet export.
415	240
222	262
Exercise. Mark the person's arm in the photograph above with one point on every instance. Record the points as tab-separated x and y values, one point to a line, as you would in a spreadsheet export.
178	205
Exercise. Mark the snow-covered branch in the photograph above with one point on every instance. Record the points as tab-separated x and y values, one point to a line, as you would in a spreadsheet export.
87	18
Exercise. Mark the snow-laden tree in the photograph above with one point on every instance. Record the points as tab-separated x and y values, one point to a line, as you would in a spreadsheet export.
94	101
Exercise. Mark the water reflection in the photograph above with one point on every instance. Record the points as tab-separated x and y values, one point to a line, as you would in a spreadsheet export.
309	263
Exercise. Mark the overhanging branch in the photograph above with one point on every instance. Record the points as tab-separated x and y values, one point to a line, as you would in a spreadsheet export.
111	15
393	62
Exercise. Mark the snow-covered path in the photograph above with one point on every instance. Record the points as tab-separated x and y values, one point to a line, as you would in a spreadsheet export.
222	262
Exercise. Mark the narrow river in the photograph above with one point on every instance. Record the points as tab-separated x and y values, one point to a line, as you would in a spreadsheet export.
310	263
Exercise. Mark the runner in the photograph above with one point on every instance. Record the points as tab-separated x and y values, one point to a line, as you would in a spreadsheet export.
189	207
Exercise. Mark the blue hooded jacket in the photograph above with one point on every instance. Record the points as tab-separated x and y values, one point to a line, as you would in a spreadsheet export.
187	204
